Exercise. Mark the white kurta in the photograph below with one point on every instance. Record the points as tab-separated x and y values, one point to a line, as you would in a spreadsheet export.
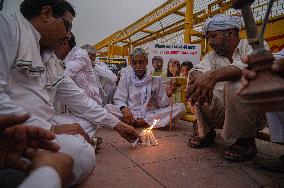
85	111
79	68
106	80
23	88
146	98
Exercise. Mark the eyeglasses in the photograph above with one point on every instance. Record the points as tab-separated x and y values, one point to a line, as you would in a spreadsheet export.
68	25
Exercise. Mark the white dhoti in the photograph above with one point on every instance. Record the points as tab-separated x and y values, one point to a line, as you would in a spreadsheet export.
163	114
88	127
44	177
82	153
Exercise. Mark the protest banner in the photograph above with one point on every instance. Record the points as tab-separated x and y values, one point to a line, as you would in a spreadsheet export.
180	52
115	64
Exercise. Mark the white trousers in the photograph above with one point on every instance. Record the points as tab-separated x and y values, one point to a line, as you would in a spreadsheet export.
82	153
43	177
163	114
83	156
88	127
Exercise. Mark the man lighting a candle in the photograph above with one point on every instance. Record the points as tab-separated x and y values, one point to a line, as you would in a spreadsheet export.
141	98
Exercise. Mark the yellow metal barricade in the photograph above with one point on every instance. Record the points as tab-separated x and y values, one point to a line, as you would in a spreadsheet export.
180	96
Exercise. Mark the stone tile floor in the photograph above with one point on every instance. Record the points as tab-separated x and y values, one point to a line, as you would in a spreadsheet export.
173	164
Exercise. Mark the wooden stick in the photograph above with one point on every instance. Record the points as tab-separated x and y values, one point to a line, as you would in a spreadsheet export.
171	113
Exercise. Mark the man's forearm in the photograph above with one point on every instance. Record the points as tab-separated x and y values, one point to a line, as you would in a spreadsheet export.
228	73
83	106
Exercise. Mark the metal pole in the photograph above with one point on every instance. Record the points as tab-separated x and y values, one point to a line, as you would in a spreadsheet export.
173	10
112	50
109	50
265	21
188	25
171	113
1	4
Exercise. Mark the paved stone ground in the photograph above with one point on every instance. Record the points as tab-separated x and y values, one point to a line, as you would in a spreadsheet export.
173	164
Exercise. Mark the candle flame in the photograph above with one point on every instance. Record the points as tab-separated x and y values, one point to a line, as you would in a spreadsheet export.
154	123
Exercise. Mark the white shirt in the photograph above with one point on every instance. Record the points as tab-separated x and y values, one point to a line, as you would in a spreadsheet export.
104	73
78	102
141	96
23	82
21	86
106	81
213	61
79	68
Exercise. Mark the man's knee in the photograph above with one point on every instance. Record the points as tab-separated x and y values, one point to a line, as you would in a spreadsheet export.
231	89
180	107
82	153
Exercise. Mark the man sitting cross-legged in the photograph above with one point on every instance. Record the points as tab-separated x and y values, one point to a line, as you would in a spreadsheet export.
141	98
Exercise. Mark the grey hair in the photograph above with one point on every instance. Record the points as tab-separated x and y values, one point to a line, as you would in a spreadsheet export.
90	49
139	51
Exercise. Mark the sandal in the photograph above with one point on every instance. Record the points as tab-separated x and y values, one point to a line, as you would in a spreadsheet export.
200	142
238	153
97	141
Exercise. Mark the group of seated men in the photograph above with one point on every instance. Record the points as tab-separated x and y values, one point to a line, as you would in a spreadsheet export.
41	69
32	80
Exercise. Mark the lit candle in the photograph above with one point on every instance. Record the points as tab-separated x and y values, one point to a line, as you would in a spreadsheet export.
147	136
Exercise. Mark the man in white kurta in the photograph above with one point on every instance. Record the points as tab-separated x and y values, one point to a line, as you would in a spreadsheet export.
106	79
85	111
78	67
22	88
144	96
29	85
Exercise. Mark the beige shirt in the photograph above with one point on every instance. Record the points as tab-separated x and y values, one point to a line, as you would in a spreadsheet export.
212	61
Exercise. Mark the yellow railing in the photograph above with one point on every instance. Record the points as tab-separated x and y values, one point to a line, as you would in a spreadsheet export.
183	19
